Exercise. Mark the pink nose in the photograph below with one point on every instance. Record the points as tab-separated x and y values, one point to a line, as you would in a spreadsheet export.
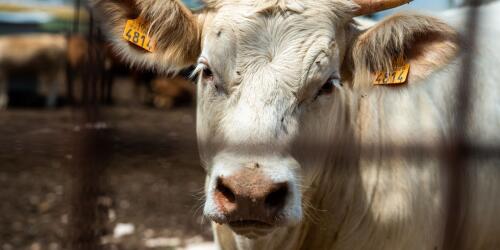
248	197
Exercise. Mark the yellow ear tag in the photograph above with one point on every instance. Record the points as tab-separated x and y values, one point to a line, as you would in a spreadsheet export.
398	75
136	32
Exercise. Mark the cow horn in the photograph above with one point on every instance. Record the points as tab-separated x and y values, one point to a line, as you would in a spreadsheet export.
372	6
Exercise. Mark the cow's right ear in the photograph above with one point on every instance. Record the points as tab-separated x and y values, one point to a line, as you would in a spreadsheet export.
423	42
174	30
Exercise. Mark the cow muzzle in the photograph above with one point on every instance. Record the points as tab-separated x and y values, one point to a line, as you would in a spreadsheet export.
253	199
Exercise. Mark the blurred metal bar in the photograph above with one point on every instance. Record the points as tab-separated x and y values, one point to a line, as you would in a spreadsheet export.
76	17
70	71
458	152
89	214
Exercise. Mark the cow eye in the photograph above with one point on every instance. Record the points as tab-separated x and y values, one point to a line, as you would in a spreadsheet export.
209	77
328	87
207	74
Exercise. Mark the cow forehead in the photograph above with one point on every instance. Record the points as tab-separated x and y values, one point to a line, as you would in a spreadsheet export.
244	42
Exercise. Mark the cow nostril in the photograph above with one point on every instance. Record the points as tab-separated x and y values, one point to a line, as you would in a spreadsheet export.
277	197
225	191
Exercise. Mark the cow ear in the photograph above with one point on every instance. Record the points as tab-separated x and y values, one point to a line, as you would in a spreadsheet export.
174	31
424	42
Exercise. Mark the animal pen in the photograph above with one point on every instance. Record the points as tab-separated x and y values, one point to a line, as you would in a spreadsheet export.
90	194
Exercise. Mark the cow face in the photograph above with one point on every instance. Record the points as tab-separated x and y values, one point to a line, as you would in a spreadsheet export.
266	76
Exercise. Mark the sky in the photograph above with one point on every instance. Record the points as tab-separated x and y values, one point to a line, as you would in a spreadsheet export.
423	5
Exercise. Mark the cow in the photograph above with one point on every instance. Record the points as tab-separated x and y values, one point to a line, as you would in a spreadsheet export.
51	57
301	149
40	54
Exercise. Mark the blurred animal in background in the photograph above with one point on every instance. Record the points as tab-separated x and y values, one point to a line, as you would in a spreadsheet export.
54	67
41	56
114	69
149	88
86	60
169	92
77	55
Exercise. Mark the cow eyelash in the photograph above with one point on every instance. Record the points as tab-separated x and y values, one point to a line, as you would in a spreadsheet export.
206	72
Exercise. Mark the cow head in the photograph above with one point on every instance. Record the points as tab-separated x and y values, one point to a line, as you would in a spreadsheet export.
267	76
270	101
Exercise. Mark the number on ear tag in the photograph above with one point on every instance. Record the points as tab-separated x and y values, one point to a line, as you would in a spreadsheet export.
136	33
398	75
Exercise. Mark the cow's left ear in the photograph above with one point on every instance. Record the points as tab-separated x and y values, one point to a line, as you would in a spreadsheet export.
168	29
424	42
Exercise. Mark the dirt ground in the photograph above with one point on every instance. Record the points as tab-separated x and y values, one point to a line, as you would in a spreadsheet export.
147	189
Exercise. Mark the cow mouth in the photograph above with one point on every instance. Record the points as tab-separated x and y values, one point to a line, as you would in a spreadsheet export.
251	228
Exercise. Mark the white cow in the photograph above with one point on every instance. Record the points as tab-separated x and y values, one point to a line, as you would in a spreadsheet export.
301	150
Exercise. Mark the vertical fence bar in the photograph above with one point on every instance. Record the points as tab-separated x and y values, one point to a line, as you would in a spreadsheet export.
458	150
76	16
89	214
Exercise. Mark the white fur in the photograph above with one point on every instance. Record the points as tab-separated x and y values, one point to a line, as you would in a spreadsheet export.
359	199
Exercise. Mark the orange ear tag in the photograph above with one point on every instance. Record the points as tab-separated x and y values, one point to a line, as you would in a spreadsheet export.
398	75
136	32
